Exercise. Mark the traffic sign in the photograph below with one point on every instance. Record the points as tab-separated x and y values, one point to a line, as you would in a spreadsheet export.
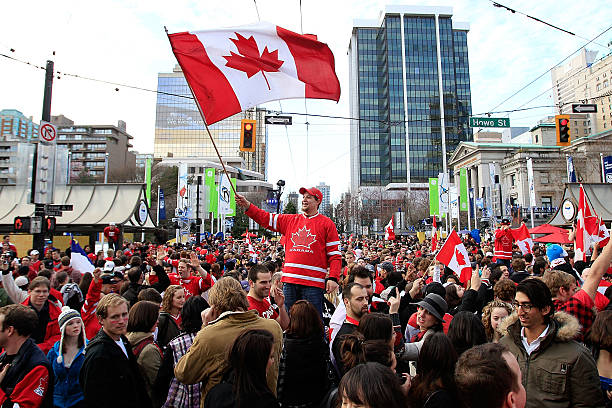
59	207
584	108
278	120
53	213
490	122
47	132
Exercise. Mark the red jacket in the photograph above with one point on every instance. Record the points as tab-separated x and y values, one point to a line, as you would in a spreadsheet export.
52	334
111	233
503	244
311	245
88	311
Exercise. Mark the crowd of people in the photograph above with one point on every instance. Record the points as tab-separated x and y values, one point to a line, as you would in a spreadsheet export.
316	320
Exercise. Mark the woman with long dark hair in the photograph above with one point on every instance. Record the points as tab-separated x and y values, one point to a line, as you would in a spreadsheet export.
245	383
371	385
303	370
169	325
434	384
466	331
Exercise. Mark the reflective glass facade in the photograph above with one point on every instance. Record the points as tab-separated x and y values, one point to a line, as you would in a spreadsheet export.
180	131
377	79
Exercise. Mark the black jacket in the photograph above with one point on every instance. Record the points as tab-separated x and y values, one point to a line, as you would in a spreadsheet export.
166	329
109	378
222	396
131	294
302	373
27	358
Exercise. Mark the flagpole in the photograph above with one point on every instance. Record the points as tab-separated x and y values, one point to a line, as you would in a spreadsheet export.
158	205
204	119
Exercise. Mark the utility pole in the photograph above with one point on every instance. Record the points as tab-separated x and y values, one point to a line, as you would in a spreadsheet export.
198	220
38	238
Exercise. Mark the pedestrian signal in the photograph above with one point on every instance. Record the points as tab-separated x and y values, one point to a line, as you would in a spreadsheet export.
247	135
21	224
562	123
49	224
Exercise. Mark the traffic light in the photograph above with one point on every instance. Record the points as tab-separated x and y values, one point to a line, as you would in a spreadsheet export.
247	135
49	224
562	123
21	224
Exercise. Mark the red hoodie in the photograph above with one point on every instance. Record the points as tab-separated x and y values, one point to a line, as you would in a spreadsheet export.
88	311
52	334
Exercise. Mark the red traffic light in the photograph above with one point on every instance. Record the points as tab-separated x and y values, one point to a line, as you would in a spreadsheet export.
248	126
563	122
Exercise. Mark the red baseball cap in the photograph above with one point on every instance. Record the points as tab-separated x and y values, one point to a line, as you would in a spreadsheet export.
313	191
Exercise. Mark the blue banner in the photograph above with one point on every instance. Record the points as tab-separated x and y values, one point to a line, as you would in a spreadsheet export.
571	173
162	205
471	200
607	169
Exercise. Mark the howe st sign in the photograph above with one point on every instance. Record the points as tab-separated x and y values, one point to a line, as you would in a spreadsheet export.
490	122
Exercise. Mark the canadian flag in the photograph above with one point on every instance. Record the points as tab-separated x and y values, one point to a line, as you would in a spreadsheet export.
389	231
588	228
264	240
454	255
434	236
252	252
523	239
232	69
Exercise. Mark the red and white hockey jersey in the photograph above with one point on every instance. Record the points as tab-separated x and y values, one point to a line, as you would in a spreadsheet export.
311	245
503	244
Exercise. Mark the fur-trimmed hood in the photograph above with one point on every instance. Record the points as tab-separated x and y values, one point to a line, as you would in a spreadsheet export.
567	326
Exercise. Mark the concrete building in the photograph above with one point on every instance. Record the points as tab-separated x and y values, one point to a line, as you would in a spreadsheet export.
585	79
14	125
508	189
141	164
293	197
410	86
91	146
180	130
325	207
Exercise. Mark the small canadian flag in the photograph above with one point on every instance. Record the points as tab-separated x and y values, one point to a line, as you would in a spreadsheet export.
434	236
389	231
523	239
454	255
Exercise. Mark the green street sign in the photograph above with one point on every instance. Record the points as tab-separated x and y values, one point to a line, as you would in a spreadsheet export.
490	122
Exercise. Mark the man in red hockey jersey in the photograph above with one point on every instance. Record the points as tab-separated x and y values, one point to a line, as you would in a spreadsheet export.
311	248
503	243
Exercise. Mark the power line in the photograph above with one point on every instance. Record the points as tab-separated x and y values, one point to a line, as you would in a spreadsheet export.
550	69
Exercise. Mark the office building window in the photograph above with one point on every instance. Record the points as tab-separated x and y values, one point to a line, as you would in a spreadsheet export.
547	202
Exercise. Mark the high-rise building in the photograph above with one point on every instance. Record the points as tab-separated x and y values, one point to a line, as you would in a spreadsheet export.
180	130
585	79
409	82
15	126
325	206
292	197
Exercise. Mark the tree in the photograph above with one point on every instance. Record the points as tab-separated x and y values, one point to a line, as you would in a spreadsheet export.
290	208
84	177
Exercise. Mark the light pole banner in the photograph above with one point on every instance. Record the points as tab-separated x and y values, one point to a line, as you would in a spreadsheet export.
443	192
182	193
454	205
571	172
211	187
148	180
532	197
607	169
225	195
463	190
434	199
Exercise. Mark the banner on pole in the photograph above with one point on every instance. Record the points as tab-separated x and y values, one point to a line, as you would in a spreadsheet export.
571	172
211	190
162	205
607	169
443	186
454	199
148	180
225	195
434	199
532	197
463	190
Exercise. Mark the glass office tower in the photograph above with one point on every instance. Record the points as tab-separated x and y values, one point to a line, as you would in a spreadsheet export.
402	68
180	131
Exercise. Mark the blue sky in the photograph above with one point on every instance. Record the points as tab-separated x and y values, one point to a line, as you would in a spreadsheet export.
124	41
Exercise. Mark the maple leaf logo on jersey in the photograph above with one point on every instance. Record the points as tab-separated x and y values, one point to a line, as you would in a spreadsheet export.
250	61
303	238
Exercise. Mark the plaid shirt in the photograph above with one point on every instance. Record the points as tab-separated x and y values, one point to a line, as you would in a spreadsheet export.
179	394
581	307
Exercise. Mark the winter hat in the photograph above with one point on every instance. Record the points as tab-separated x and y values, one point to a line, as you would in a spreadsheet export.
64	318
555	251
21	281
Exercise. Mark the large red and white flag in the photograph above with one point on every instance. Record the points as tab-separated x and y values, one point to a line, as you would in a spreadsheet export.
390	231
454	255
434	236
523	239
587	227
233	69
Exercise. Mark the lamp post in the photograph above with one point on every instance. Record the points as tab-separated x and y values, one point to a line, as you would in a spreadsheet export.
279	192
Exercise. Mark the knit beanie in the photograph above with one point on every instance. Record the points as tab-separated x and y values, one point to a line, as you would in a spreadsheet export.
555	251
64	318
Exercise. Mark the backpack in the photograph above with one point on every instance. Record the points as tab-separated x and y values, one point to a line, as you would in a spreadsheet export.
140	346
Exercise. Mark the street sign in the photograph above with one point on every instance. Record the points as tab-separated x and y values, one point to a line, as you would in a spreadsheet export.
36	224
490	122
47	132
584	108
278	120
53	213
59	207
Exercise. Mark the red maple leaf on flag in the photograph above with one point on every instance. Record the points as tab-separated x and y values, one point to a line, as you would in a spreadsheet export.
182	192
460	257
303	238
250	61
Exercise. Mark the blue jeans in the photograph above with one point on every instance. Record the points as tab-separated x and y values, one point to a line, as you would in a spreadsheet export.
294	292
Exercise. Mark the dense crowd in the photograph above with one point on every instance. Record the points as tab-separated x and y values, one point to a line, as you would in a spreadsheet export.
316	320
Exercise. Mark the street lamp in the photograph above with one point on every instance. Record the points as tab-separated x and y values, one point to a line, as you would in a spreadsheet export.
279	192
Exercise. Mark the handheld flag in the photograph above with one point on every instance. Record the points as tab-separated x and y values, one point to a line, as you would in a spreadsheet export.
523	239
587	227
78	258
232	69
389	231
454	255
